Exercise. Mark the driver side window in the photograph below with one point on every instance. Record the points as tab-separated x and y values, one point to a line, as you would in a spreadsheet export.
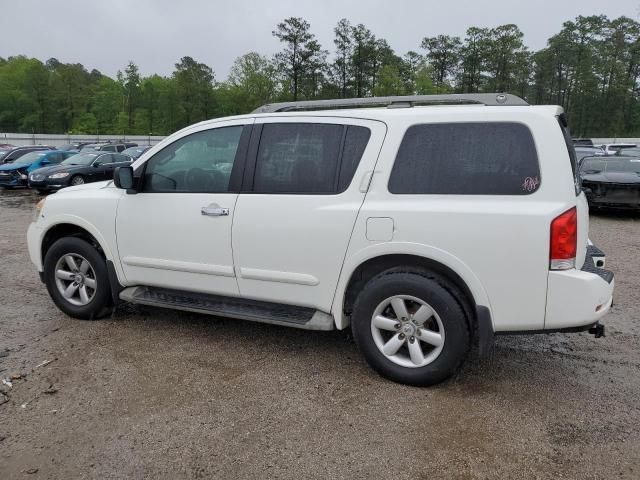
198	163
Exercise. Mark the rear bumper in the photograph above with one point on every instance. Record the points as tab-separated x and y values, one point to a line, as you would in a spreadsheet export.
579	298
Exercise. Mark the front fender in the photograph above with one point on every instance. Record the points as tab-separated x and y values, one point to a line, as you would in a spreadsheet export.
38	230
354	260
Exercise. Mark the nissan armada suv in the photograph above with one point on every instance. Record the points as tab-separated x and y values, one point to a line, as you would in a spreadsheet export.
427	224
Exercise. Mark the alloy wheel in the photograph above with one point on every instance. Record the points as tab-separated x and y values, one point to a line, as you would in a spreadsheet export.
75	279
407	331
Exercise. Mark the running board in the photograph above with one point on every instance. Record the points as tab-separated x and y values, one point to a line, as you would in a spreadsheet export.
256	311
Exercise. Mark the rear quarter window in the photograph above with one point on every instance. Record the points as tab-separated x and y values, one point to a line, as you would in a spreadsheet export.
497	158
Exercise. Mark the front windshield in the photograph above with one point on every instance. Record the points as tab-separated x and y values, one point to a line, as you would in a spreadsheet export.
30	157
80	159
599	165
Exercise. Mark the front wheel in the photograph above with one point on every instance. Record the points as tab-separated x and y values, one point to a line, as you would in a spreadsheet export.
76	277
410	328
77	180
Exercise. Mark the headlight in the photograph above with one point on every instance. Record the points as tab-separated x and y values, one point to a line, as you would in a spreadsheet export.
59	175
38	210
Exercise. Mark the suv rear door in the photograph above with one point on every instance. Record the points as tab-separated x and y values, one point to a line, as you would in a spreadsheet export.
305	181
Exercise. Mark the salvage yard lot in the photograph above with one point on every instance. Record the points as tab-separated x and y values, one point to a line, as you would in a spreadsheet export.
160	393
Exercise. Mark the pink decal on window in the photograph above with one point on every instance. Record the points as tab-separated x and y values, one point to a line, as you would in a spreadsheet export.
530	184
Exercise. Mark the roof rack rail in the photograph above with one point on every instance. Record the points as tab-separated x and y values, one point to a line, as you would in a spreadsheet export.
487	99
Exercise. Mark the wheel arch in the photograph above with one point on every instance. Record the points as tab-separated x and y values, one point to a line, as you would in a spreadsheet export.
374	260
67	228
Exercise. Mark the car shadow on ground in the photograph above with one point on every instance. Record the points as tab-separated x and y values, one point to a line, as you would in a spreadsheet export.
525	360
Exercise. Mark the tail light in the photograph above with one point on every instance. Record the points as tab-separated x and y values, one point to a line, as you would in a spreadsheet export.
564	240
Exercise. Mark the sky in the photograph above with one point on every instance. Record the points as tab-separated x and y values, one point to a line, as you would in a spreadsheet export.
155	34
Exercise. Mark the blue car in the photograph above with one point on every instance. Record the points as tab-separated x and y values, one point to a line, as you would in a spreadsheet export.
16	174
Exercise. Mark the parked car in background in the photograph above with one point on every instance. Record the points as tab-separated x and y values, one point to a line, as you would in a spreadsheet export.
4	148
109	147
629	152
582	152
613	148
17	152
76	170
135	152
611	181
74	146
582	142
15	174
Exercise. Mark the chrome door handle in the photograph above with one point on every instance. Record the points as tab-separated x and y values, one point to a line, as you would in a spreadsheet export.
214	211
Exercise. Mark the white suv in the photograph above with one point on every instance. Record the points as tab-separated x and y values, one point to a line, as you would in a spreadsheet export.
428	224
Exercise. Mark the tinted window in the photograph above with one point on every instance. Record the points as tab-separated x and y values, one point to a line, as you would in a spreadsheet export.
198	163
466	159
308	157
108	148
56	157
119	158
355	142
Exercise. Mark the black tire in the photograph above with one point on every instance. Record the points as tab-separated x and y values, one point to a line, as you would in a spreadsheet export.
101	301
41	192
75	178
435	292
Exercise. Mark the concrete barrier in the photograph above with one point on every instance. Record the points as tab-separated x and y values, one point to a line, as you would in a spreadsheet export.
58	140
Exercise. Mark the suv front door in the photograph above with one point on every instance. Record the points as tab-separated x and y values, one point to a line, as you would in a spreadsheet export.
305	181
176	231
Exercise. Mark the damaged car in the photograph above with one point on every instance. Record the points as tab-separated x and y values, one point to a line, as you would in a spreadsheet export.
611	181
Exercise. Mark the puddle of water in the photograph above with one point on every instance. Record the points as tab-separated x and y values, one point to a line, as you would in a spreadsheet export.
20	198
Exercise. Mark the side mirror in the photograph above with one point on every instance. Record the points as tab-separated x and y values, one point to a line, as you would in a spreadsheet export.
95	164
123	178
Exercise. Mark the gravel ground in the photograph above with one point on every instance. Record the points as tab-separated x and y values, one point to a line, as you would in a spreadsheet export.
165	394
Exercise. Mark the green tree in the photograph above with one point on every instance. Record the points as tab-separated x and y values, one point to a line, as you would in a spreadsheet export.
194	84
443	52
343	42
253	82
299	48
130	80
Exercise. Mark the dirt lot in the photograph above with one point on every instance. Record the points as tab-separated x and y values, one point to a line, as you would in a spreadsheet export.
157	393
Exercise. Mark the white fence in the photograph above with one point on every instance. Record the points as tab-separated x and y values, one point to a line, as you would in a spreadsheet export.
598	141
19	139
61	139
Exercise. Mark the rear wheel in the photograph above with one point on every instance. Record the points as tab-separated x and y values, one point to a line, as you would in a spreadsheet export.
77	180
76	277
410	328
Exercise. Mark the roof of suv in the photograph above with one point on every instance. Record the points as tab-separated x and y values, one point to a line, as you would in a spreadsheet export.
387	113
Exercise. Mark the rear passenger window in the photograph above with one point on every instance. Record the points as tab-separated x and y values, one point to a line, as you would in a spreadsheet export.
354	144
466	159
308	158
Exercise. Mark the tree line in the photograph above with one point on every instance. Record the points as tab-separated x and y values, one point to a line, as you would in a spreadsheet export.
591	68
